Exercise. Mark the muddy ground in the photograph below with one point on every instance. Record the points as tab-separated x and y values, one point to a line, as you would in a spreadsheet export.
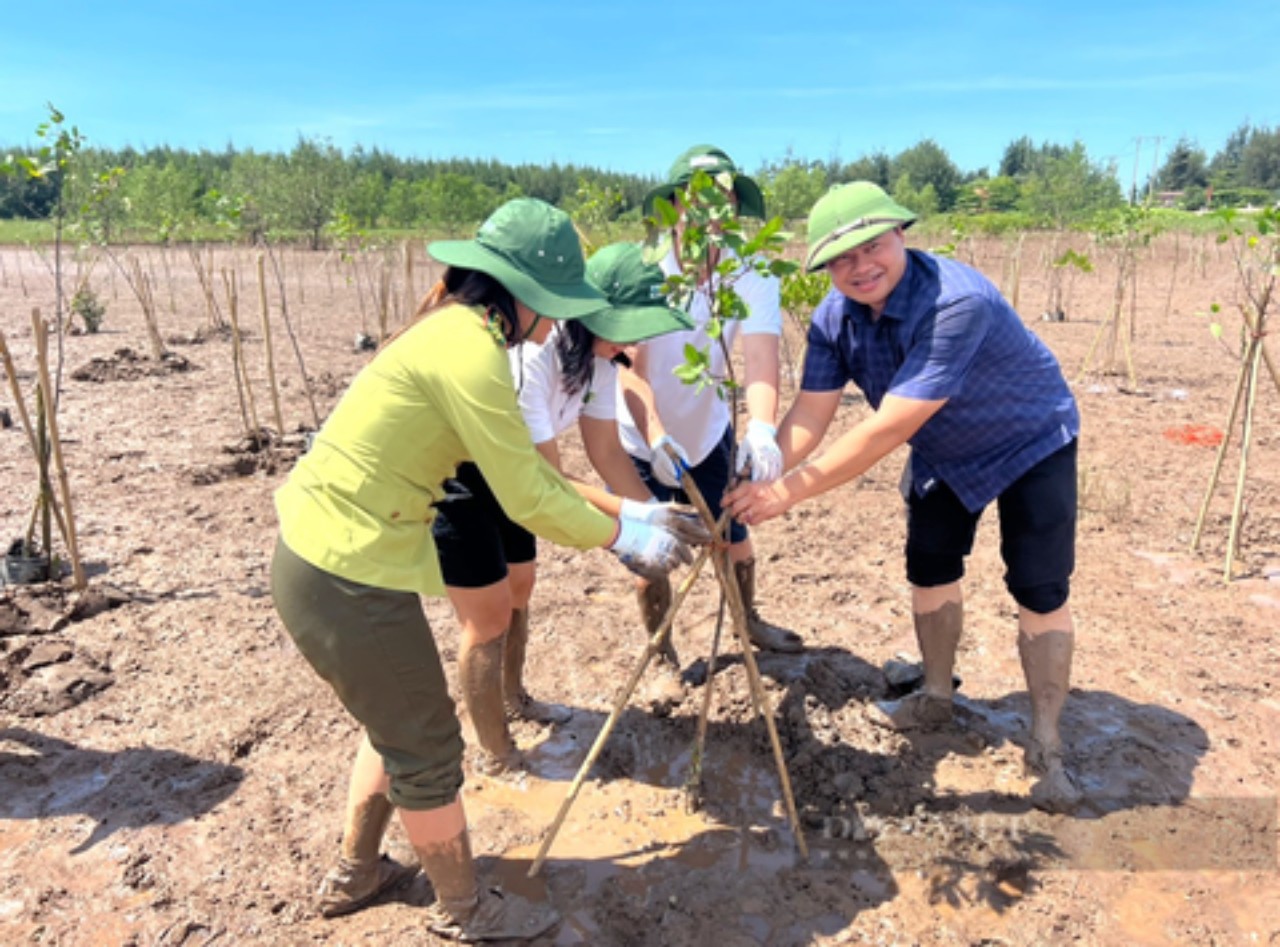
173	773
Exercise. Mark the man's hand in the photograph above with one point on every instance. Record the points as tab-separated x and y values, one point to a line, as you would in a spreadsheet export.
648	551
680	520
760	453
753	503
666	470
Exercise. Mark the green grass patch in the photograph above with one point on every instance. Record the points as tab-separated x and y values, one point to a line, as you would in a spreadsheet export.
26	231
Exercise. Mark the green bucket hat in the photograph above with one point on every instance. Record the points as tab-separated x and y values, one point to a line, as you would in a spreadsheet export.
712	160
637	309
849	215
533	250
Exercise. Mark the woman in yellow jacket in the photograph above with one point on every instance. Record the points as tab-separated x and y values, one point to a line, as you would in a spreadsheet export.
356	550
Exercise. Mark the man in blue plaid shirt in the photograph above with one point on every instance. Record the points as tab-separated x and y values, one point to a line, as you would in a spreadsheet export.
949	368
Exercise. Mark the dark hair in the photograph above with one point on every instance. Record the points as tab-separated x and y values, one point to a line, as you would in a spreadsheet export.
473	288
574	345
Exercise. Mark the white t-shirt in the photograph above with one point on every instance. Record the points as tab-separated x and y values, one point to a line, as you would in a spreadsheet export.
547	410
697	419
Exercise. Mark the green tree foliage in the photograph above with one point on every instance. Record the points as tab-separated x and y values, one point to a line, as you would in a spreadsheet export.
1185	166
793	186
1069	189
876	167
922	200
929	166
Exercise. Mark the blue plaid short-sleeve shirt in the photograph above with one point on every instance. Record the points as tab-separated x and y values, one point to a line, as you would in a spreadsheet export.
947	333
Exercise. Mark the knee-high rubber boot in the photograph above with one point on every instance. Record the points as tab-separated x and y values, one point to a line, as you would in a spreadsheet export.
480	680
763	634
938	634
362	873
517	701
654	599
464	910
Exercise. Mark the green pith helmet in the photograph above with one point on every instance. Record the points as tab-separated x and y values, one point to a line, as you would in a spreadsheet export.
533	250
714	161
637	308
849	215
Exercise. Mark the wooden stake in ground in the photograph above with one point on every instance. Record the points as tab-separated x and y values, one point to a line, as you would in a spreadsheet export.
244	390
293	340
1257	258
55	443
733	595
266	338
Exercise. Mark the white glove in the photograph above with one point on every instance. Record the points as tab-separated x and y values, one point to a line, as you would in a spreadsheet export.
759	450
676	518
664	468
648	551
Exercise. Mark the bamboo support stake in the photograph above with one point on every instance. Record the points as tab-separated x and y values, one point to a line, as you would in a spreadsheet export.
142	289
24	418
19	403
293	339
244	390
408	278
55	442
1246	437
266	338
1221	456
729	586
652	647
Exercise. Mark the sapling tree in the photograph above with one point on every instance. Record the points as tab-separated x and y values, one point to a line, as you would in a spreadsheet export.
1123	232
1254	242
801	294
1062	273
714	251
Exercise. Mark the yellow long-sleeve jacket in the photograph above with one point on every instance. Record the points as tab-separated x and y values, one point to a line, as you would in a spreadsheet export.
359	504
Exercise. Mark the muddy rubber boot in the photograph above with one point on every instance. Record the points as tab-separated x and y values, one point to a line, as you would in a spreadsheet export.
938	634
480	680
466	912
362	873
517	702
764	635
663	689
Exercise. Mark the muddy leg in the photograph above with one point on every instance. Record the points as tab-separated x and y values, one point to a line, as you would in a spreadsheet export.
361	873
1045	645
464	910
938	614
664	687
519	704
484	614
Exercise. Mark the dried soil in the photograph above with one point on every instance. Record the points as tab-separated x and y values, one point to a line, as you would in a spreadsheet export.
173	773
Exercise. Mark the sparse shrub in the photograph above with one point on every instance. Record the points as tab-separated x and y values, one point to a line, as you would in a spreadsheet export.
91	310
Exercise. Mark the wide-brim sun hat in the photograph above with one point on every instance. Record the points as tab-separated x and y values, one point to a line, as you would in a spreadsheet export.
849	215
533	250
638	309
713	161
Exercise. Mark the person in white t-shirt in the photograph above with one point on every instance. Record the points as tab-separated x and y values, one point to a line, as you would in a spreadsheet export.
488	561
658	410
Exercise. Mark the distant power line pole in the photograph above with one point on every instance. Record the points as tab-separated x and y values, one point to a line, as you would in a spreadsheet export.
1133	185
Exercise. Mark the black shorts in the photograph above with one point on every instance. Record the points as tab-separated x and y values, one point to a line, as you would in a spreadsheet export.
474	537
1037	533
711	476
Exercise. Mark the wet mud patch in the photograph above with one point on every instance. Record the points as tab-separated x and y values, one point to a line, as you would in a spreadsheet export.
43	671
264	453
127	365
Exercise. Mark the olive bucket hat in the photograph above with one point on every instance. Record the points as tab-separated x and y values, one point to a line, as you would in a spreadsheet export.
712	160
638	308
848	216
533	250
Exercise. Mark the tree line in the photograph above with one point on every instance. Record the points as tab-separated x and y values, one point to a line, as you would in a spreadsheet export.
319	191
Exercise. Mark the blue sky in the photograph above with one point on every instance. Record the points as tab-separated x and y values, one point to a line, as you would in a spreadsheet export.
628	86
